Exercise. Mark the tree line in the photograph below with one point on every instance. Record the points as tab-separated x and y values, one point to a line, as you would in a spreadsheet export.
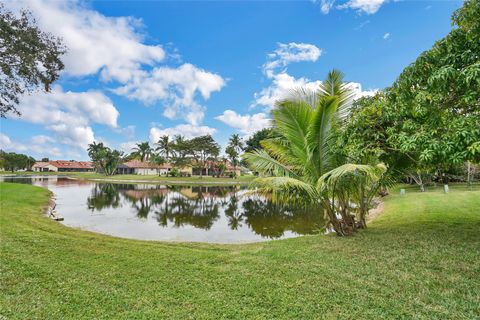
198	152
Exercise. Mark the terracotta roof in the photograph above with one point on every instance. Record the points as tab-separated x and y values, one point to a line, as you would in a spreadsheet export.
40	164
145	165
71	164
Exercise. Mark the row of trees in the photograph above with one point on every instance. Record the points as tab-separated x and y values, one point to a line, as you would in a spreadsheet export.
11	161
197	152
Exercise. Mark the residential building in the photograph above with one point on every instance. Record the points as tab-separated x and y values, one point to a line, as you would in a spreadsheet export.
63	166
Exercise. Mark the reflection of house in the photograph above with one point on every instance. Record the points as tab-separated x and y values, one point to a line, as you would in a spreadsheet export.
143	168
63	166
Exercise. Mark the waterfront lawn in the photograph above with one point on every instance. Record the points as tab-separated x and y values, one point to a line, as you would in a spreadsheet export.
420	259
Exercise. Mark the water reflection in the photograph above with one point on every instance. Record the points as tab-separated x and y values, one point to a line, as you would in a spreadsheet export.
211	214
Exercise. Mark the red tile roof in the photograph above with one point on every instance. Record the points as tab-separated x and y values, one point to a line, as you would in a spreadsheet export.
70	164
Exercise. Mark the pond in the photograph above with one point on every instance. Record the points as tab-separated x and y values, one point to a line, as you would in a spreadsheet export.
214	214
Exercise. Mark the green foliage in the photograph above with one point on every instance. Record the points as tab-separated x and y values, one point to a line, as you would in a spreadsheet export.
429	120
143	151
233	150
29	58
254	142
203	148
294	164
12	161
165	147
105	159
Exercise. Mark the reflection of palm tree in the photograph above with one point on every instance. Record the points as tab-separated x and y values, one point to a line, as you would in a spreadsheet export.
179	210
272	220
234	215
104	195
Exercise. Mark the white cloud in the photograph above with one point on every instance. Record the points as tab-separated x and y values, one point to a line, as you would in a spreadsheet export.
363	6
283	84
69	114
287	53
128	146
187	130
113	48
326	5
177	88
386	36
246	124
96	43
39	146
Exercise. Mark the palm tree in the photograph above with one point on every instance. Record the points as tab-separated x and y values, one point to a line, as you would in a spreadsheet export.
165	146
143	150
234	148
294	164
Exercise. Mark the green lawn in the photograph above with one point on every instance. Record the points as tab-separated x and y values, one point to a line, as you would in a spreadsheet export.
419	260
144	178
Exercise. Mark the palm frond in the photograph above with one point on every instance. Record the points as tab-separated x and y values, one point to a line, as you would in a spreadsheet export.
261	161
349	170
292	119
286	189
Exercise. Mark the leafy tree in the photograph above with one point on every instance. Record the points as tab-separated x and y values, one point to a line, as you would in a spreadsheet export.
181	149
429	120
143	150
45	159
233	150
204	148
29	58
15	161
297	166
165	146
254	142
105	159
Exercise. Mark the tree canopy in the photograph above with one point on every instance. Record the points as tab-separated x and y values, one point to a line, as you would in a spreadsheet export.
429	119
29	58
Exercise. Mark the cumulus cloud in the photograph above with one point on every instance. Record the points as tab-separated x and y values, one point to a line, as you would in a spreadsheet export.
177	88
361	6
287	53
39	146
283	84
96	43
114	50
69	114
246	124
187	130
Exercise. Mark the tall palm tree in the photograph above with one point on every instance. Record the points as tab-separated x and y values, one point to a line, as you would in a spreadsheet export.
165	146
294	164
234	148
143	150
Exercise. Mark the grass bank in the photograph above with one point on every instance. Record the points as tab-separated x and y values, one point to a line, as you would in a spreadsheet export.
142	178
420	259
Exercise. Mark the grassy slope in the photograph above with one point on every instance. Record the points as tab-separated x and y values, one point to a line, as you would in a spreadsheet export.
143	178
421	259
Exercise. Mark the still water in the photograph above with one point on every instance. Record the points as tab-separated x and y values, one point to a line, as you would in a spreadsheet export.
226	214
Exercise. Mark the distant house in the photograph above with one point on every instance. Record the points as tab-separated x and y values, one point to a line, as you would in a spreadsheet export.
143	168
63	166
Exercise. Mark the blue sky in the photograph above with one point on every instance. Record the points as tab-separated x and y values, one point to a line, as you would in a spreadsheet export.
137	70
